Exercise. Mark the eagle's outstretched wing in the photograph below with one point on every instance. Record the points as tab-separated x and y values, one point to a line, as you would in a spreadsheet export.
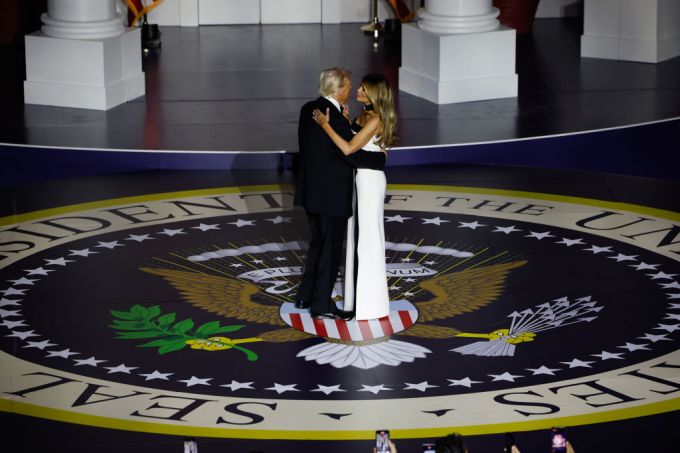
221	295
464	291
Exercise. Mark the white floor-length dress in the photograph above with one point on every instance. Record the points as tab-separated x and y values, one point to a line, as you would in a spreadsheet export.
371	296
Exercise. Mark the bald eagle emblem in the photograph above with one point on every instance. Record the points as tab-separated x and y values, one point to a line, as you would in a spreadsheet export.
363	344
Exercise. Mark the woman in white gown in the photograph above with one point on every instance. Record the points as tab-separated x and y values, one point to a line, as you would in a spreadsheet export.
375	131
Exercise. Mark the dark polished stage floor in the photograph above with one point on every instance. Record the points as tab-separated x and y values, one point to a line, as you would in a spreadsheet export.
239	88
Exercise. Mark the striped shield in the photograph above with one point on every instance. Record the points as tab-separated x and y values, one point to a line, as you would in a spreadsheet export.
403	314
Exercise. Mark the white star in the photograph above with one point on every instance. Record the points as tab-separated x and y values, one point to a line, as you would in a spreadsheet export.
280	258
654	338
434	221
91	361
195	381
506	230
240	222
171	232
23	335
279	219
472	225
109	245
257	261
374	389
139	237
674	285
428	263
397	218
4	302
595	249
634	347
409	294
120	369
58	262
83	252
13	292
410	280
156	375
543	370
39	344
65	353
203	227
504	377
327	390
38	271
604	355
662	275
395	288
406	260
675	317
23	281
539	236
14	324
280	388
423	386
621	257
644	266
465	382
576	363
236	265
667	327
570	242
235	385
9	313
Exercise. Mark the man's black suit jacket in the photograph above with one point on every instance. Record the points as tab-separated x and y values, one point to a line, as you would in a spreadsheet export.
325	176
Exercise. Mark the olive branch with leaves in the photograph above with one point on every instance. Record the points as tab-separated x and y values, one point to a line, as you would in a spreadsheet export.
147	322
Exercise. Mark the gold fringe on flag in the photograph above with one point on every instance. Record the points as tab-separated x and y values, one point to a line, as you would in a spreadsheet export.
138	9
401	10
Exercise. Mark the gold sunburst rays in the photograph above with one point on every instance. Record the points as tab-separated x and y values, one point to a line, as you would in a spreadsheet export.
222	266
446	263
395	283
275	263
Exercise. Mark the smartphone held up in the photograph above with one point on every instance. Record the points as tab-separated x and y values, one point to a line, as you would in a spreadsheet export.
382	441
558	440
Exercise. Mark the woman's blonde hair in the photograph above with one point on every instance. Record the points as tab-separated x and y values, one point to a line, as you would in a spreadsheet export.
331	80
378	91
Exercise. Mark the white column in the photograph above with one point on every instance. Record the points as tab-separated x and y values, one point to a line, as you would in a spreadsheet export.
83	57
458	52
647	31
82	19
458	16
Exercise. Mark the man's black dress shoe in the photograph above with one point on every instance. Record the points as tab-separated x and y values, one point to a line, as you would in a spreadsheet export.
316	315
339	314
346	315
302	305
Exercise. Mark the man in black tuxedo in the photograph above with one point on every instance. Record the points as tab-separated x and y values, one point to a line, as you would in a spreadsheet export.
324	187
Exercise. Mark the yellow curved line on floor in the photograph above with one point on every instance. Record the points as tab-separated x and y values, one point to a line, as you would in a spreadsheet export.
20	218
60	415
639	209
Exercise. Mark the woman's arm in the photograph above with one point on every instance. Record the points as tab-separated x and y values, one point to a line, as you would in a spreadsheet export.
358	141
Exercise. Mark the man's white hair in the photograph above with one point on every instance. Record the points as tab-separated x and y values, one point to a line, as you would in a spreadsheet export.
330	81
